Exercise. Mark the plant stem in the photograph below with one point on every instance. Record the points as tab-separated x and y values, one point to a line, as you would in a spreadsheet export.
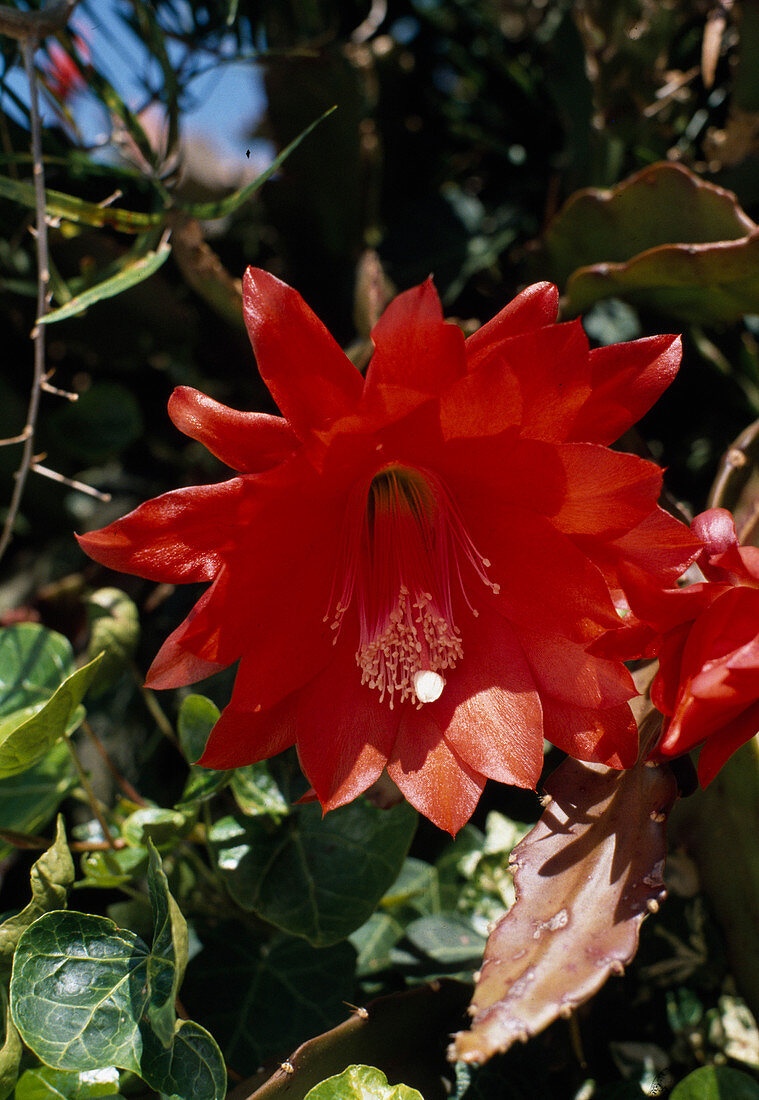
91	796
131	792
154	708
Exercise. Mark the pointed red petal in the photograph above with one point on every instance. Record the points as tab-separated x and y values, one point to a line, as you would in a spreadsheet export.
627	379
489	710
565	670
311	379
244	737
536	307
606	493
661	547
552	369
719	748
344	733
246	441
431	775
413	346
178	537
193	650
607	736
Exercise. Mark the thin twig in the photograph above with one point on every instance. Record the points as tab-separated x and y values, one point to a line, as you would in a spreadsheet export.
154	707
34	842
91	796
72	483
28	47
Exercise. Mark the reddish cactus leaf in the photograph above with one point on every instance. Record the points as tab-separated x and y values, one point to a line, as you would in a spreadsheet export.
586	876
664	239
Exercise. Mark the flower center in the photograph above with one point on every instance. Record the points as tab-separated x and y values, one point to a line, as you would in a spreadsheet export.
403	544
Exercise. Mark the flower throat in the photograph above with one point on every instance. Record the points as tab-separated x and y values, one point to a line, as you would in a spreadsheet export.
403	543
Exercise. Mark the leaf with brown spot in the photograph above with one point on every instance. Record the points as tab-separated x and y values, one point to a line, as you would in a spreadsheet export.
586	876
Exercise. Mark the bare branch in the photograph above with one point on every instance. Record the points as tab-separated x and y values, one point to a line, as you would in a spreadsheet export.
28	47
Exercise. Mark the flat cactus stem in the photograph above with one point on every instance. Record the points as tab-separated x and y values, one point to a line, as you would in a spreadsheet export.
399	1034
586	877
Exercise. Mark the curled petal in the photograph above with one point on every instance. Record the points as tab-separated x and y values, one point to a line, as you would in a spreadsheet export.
627	379
176	538
720	748
660	548
431	775
536	307
311	379
246	441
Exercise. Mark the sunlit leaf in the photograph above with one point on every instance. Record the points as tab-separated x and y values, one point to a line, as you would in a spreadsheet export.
51	879
361	1083
39	696
135	269
44	1083
586	876
59	205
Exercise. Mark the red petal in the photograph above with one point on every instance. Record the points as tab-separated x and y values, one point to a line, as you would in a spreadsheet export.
246	441
607	736
551	366
627	379
536	307
178	537
312	381
414	347
606	493
661	547
489	710
244	737
344	733
481	404
547	584
565	670
195	650
721	746
431	775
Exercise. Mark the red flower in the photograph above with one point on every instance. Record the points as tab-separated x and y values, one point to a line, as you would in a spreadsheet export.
707	639
410	567
62	75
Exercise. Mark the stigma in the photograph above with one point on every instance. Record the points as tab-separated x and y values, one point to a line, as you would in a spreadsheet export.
403	548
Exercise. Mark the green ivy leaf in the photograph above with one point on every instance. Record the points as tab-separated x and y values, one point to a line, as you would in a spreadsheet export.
78	991
109	869
260	997
716	1083
155	823
192	1068
197	717
256	792
168	957
10	1052
44	1083
29	800
39	694
361	1083
448	938
316	877
51	878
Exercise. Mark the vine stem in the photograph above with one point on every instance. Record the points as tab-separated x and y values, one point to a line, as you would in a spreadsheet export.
91	796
